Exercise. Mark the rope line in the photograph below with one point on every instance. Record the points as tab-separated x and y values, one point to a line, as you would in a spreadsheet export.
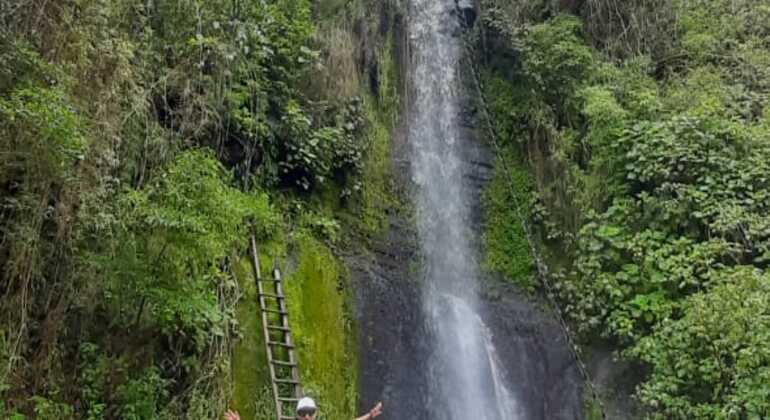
542	268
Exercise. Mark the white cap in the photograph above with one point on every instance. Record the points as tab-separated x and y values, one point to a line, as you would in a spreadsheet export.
306	403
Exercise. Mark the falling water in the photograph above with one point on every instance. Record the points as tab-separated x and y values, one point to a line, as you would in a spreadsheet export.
465	377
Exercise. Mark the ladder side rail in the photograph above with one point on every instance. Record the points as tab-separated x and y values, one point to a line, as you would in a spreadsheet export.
265	322
289	340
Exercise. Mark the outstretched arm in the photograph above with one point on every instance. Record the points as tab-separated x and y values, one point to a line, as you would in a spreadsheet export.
374	412
232	415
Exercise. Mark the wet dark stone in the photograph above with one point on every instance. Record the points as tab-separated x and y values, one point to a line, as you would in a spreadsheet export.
467	10
390	322
529	341
389	312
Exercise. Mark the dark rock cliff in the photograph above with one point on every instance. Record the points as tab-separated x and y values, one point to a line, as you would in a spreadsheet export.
391	322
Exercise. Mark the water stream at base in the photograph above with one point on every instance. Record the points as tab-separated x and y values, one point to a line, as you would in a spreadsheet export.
466	380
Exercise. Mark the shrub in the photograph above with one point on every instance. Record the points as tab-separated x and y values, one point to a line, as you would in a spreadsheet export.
143	397
714	361
171	240
557	58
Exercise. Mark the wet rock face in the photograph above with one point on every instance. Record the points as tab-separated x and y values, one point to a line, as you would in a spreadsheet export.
467	11
537	356
390	323
391	320
392	334
615	380
530	342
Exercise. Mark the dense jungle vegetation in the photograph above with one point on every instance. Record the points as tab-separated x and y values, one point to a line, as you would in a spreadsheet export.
639	136
140	142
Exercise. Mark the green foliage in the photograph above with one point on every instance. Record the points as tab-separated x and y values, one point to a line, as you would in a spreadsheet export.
93	375
308	153
45	143
54	138
21	63
335	71
252	393
43	147
315	155
377	195
264	406
320	226
662	154
632	86
593	410
119	234
507	248
142	397
46	409
322	329
172	237
607	116
510	106
633	28
711	28
706	178
638	275
713	362
558	59
5	361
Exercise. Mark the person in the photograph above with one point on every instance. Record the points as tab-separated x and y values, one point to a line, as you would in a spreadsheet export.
307	410
374	412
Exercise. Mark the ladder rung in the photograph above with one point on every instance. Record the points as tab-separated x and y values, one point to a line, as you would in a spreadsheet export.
283	363
279	328
278	343
275	311
269	323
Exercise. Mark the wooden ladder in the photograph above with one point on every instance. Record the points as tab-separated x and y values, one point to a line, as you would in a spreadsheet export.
279	345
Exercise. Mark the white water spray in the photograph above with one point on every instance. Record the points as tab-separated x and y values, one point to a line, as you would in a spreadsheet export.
465	377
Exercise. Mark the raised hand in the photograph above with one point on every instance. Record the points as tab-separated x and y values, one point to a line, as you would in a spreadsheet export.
376	411
232	415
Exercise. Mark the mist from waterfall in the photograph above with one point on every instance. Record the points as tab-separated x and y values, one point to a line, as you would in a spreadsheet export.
466	381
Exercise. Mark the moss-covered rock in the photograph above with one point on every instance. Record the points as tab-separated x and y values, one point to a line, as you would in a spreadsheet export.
251	377
322	328
507	249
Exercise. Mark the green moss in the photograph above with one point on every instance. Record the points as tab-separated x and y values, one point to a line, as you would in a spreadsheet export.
252	395
593	409
326	10
323	332
315	287
389	82
507	250
382	113
250	370
511	105
322	329
376	194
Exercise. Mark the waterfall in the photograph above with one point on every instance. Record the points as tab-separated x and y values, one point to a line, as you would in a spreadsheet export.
465	376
